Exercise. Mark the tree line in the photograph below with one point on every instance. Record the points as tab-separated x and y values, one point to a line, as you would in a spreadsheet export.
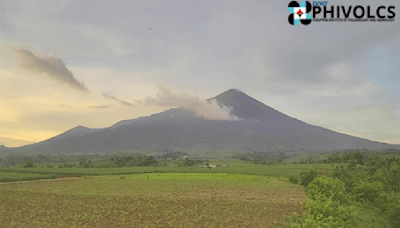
372	182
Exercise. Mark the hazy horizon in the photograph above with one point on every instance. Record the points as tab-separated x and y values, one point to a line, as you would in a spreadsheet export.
71	63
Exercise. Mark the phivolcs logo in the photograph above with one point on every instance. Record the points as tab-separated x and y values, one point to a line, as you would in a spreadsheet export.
319	11
299	13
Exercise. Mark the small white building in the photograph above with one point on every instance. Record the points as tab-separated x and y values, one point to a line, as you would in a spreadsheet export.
212	166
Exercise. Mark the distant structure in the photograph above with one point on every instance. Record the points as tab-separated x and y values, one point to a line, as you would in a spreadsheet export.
224	165
211	166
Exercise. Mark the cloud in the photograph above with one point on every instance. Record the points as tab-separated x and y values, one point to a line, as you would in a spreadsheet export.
64	105
111	97
210	109
101	106
328	66
51	66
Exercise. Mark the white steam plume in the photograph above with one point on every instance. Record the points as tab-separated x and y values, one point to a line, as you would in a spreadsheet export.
209	109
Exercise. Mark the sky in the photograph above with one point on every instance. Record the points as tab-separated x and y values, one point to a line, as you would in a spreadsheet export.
93	63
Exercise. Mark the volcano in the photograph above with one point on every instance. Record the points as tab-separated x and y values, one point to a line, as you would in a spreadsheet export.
258	128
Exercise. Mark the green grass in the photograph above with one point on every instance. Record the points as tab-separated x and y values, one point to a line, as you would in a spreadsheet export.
14	176
240	195
235	166
152	200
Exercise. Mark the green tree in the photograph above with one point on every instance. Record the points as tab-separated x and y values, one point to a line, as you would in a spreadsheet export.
367	191
29	163
389	203
307	177
326	205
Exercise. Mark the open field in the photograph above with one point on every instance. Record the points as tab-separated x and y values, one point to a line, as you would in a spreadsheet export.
152	200
18	176
235	166
242	194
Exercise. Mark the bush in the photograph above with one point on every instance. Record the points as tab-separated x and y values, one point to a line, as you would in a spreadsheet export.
294	221
294	180
322	188
328	213
326	205
307	177
28	163
367	191
390	204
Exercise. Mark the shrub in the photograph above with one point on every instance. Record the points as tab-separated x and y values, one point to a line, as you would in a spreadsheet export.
322	188
307	177
294	221
390	204
294	180
328	213
326	205
28	163
367	191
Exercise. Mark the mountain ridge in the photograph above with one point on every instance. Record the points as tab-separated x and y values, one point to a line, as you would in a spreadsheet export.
259	128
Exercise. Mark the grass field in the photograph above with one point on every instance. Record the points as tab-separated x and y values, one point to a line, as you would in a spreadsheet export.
152	200
235	166
15	176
